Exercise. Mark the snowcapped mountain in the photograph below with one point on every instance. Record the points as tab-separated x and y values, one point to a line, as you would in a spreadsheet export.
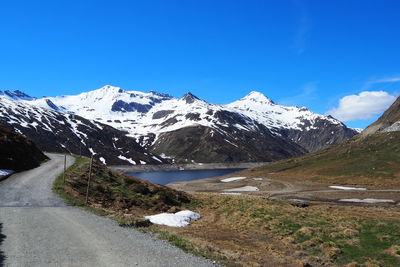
310	130
55	131
253	128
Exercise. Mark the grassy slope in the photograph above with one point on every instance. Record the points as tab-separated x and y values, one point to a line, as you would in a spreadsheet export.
245	230
253	231
112	191
374	160
113	195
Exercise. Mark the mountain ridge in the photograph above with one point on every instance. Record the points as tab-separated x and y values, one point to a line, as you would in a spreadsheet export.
149	116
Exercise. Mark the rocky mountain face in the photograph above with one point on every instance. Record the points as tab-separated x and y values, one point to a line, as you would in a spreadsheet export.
17	153
253	128
55	131
388	122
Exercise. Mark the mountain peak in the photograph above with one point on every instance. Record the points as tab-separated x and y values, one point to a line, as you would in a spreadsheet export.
110	88
257	97
16	95
190	98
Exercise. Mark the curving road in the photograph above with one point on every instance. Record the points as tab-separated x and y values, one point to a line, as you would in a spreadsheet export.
38	229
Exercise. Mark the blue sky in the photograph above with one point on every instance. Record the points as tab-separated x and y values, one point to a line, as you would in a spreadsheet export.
319	54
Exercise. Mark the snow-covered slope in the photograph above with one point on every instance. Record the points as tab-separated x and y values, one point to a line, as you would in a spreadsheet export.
276	117
148	117
146	114
56	131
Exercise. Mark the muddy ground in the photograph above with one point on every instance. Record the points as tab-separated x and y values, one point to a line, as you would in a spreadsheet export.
275	188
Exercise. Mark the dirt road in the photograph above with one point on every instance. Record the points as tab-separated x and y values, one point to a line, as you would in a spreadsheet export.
38	229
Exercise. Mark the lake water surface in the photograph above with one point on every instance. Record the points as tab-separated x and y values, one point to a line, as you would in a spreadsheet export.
166	177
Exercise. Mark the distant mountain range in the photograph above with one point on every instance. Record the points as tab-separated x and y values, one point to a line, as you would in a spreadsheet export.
185	129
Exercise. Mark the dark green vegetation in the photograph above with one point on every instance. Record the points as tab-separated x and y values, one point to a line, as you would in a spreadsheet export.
374	159
114	192
17	153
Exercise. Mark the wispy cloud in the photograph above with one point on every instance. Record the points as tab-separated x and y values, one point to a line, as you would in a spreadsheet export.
303	28
306	95
363	106
387	80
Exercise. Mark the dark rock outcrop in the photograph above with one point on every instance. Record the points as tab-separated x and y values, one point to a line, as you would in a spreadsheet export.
17	153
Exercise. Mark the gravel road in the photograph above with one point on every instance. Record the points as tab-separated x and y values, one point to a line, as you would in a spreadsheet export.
38	229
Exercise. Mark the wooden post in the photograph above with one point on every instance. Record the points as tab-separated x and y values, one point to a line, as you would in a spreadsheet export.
88	184
65	167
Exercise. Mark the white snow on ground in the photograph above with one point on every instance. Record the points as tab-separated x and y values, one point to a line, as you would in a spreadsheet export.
179	219
367	200
257	179
231	193
227	180
243	189
131	161
5	173
347	188
102	160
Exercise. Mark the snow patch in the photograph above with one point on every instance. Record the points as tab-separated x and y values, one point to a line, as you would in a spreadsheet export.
4	173
231	193
367	200
102	160
131	161
347	188
227	180
243	189
179	219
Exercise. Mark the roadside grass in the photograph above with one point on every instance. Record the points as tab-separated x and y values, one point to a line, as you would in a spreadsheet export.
128	190
187	245
370	160
247	228
115	192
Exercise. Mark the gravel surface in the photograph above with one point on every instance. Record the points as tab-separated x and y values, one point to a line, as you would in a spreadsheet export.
38	229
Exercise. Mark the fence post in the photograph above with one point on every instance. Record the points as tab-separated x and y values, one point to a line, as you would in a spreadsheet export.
88	184
65	167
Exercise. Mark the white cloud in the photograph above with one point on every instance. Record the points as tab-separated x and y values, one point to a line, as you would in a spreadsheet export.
363	106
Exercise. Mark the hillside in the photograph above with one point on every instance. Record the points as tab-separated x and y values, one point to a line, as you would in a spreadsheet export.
116	192
388	122
373	157
17	153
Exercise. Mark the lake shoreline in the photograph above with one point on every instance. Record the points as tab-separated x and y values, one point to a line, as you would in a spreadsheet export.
191	166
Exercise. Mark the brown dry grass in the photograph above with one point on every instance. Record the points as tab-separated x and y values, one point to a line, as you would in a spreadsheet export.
373	160
253	231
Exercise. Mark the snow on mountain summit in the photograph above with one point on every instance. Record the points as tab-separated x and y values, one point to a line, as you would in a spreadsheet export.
257	97
147	115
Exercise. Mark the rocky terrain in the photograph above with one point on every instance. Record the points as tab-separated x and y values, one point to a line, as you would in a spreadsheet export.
17	153
55	131
388	122
189	129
